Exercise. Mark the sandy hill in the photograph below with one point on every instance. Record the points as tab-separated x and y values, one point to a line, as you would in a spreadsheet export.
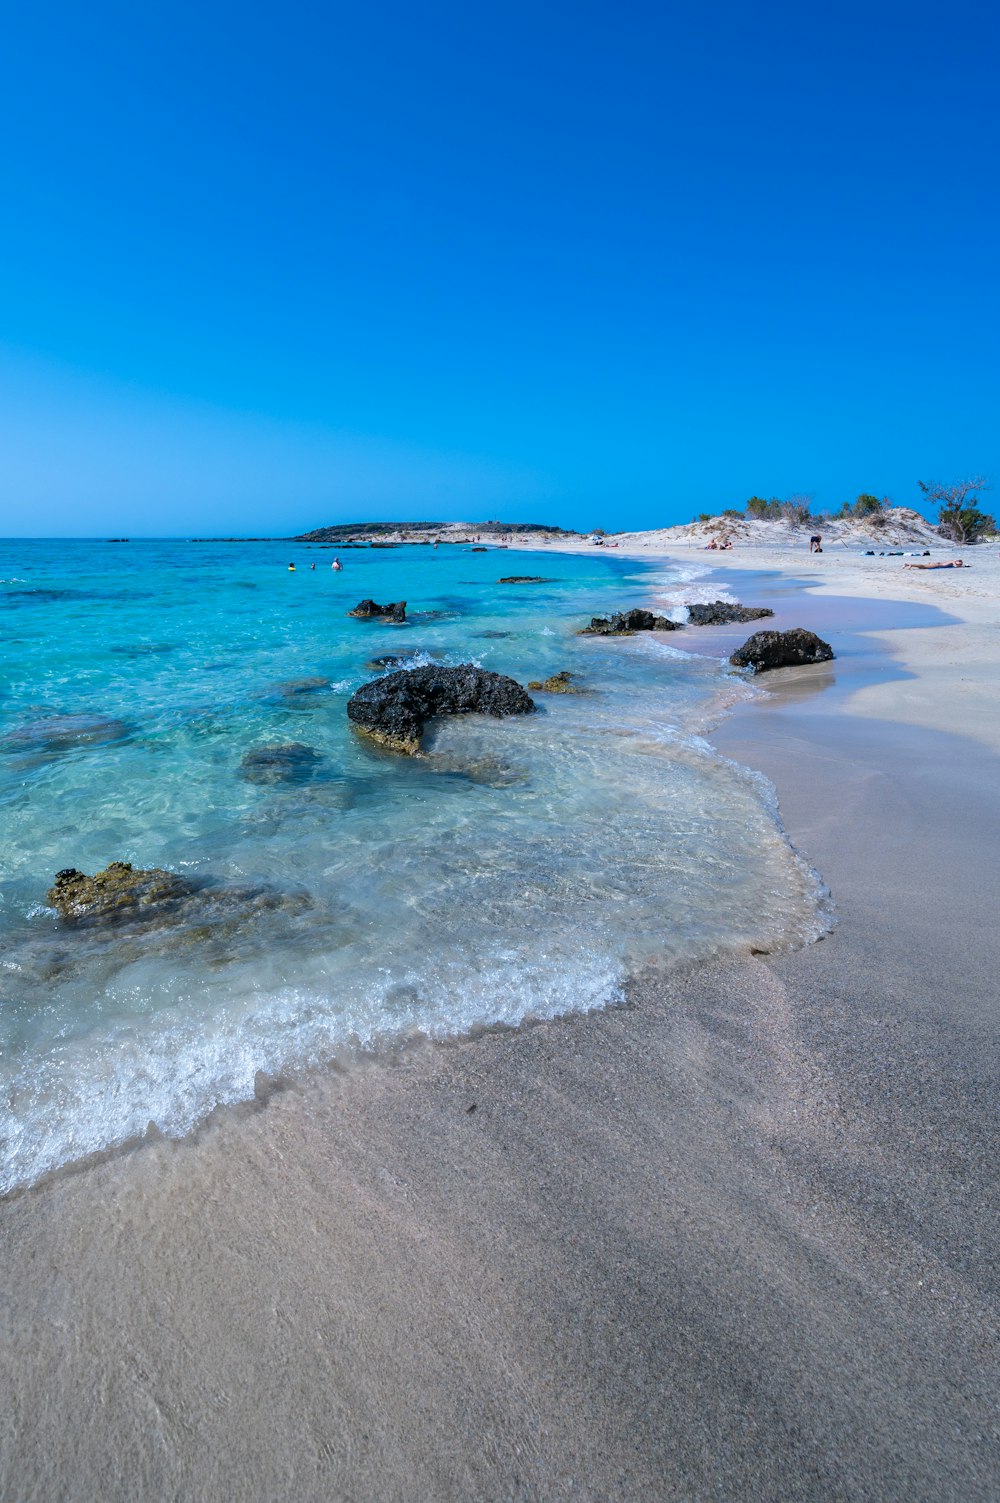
896	527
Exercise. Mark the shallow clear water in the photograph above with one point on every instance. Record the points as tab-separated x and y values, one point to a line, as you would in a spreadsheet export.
519	869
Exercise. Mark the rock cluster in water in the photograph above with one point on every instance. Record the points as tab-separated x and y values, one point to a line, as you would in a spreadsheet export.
723	612
521	579
781	649
624	623
557	683
393	710
119	891
367	610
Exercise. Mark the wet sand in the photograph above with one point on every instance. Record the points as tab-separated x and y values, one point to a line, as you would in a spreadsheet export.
737	1239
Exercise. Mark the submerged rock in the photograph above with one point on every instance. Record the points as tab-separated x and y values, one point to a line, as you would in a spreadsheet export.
624	623
398	659
485	771
280	762
291	687
153	911
558	683
393	710
367	610
781	649
55	733
120	891
522	579
723	612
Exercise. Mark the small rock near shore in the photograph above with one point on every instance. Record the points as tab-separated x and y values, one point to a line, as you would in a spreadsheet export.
119	891
557	683
521	579
766	650
624	623
724	612
393	710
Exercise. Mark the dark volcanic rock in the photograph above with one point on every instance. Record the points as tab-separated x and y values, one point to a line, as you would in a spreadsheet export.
558	683
478	550
367	610
781	649
624	623
722	613
118	892
394	709
522	579
280	762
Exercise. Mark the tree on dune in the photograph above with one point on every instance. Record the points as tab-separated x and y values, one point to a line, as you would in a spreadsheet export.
959	517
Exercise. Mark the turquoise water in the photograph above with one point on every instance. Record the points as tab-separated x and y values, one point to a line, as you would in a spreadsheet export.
520	868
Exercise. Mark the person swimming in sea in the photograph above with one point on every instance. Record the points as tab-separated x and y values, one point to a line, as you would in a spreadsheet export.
336	564
292	567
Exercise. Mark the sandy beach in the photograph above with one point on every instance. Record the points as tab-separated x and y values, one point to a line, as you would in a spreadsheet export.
736	1239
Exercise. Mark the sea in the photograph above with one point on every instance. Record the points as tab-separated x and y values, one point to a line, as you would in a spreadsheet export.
345	899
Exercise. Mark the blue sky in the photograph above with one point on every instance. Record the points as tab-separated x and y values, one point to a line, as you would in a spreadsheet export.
263	268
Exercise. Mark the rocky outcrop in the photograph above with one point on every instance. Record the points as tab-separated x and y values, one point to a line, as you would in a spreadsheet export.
120	891
724	612
478	550
280	762
624	623
558	683
522	579
367	610
393	710
781	649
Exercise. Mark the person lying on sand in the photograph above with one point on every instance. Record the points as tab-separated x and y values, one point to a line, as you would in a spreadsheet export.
953	563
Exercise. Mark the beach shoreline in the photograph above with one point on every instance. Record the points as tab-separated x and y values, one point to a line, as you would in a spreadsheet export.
735	1238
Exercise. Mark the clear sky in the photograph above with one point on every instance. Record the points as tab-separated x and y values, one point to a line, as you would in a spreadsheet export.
264	267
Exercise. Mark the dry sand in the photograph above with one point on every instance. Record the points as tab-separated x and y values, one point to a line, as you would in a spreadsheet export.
736	1240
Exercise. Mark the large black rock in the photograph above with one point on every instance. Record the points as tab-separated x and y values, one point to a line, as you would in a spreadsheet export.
723	612
393	710
624	623
521	579
781	649
367	610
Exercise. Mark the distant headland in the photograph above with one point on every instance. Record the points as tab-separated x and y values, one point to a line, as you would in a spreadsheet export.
425	532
